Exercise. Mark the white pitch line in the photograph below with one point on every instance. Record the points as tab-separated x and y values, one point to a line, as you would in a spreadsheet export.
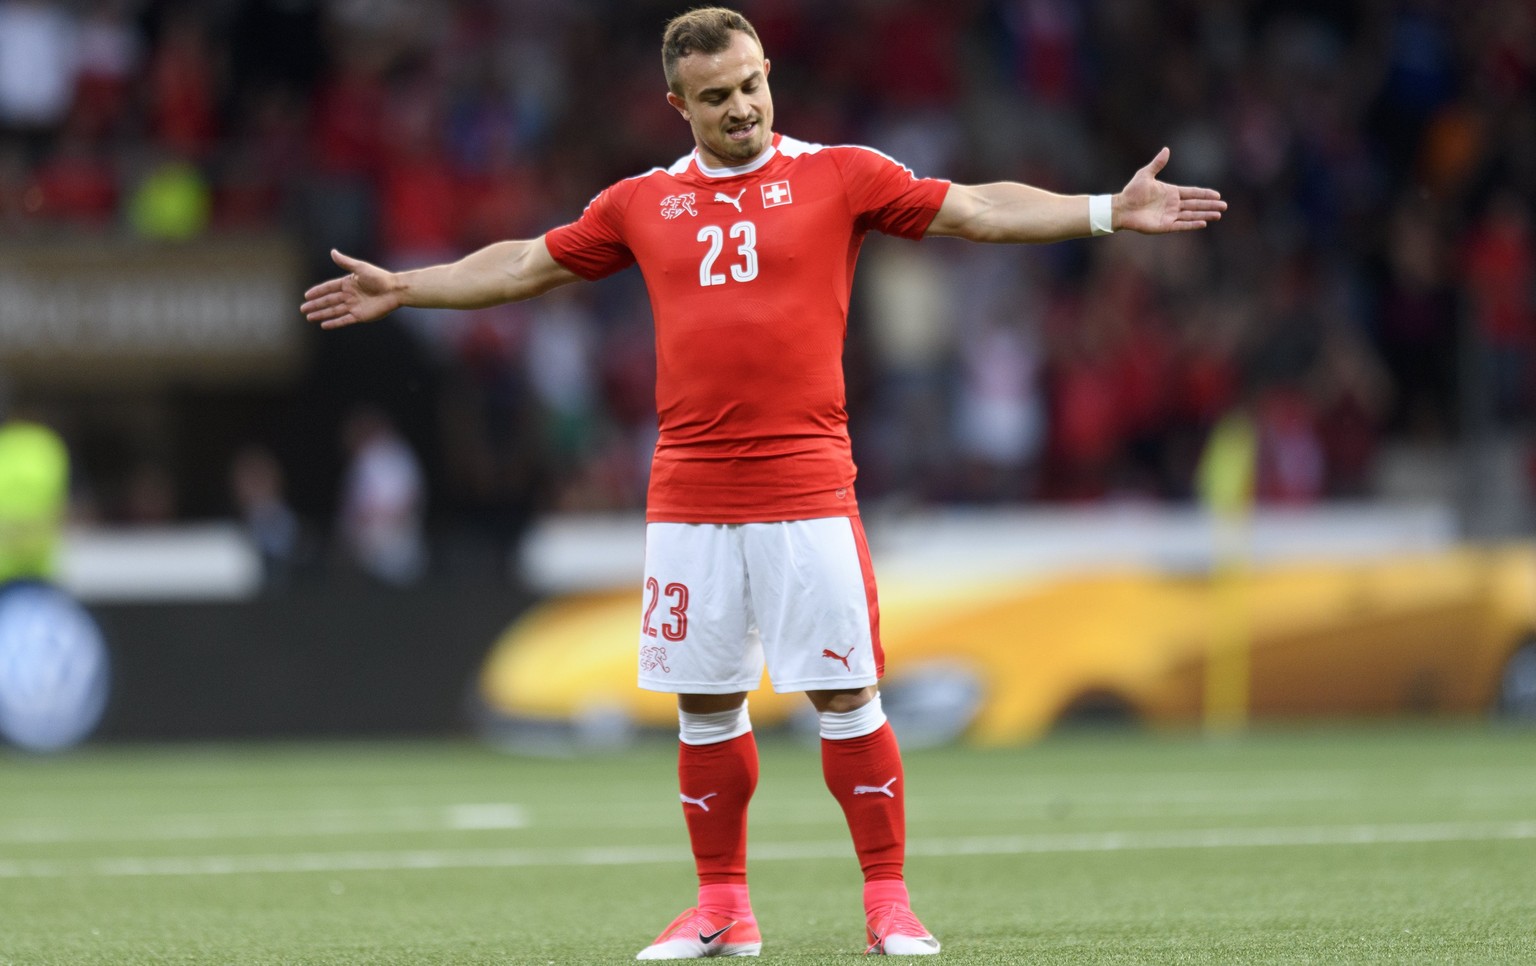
1123	841
297	824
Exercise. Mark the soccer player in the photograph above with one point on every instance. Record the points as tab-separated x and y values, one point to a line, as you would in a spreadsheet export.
754	549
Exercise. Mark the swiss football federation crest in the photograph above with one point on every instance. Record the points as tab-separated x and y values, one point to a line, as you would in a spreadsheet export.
675	206
776	193
652	658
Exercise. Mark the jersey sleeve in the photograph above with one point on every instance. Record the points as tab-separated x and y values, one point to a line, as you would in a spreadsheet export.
593	245
886	196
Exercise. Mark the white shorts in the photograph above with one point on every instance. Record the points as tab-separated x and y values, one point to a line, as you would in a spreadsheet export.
721	599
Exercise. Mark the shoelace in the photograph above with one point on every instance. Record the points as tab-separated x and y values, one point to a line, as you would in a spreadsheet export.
893	920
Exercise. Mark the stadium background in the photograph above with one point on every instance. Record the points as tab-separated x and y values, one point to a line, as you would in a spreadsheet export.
1368	298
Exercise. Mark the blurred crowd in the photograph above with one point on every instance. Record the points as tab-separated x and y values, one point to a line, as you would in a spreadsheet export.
1379	158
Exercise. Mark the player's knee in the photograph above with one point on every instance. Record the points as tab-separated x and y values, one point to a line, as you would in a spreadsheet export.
710	703
840	702
865	719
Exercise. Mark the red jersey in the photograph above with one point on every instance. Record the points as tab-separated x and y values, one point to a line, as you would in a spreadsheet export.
749	271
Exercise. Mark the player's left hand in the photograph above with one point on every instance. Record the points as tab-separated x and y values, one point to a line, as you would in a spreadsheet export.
1149	206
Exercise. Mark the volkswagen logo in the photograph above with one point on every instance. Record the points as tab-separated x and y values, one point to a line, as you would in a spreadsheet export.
53	668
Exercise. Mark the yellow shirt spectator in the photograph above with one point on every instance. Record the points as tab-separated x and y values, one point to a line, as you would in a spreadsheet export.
34	487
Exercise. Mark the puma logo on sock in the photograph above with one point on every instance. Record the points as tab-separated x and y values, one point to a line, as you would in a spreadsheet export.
701	801
876	789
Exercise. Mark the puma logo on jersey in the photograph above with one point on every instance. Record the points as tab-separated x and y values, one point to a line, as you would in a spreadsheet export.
675	206
876	789
828	652
733	202
702	802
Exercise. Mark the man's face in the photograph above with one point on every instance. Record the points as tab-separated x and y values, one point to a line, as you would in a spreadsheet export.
726	101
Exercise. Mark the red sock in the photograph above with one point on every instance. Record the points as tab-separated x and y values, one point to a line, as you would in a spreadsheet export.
864	775
717	782
886	892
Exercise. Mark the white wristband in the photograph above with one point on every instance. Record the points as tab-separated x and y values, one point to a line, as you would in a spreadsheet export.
1100	215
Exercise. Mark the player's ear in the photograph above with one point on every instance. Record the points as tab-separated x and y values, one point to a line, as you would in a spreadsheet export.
678	103
767	66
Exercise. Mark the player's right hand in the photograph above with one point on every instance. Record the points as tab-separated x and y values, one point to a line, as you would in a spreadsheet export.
367	293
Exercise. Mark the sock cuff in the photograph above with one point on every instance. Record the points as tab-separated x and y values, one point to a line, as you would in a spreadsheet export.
886	892
731	899
840	726
713	728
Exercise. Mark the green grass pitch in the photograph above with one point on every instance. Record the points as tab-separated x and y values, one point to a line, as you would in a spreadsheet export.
1404	845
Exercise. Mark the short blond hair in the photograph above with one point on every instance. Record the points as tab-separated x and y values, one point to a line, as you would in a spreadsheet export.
705	30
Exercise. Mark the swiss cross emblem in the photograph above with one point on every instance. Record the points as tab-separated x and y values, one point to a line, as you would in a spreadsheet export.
776	193
675	206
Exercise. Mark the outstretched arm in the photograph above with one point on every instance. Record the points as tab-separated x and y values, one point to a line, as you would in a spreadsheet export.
507	271
1011	212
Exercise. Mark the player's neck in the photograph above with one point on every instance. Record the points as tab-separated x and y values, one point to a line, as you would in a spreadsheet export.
717	167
